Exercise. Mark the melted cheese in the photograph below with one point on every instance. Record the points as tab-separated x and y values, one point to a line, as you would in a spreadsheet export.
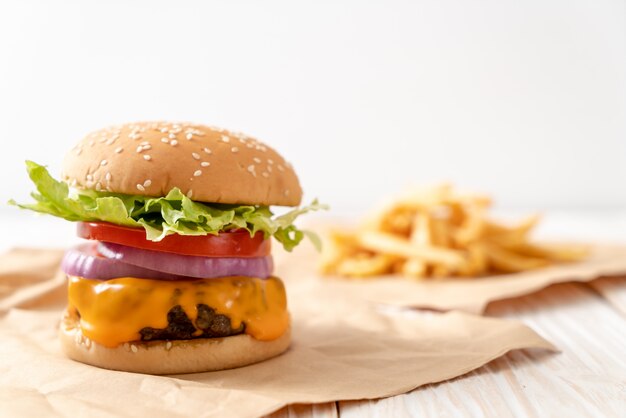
113	312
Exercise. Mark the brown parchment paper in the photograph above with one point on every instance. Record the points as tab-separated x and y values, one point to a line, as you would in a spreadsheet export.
469	295
613	290
342	349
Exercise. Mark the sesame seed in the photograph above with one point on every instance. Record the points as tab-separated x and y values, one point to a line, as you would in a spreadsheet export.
91	143
78	151
164	129
98	186
189	136
205	163
108	176
173	142
249	145
165	140
251	170
126	346
270	161
257	160
197	173
147	183
146	147
195	155
144	143
139	148
103	162
89	177
265	174
172	135
168	345
140	187
133	348
269	168
190	193
147	157
118	150
234	149
280	168
286	192
225	138
208	151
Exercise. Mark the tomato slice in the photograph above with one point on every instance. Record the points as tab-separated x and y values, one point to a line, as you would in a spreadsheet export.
236	243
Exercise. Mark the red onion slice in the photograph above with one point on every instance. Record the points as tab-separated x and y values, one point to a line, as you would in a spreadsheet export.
188	265
83	261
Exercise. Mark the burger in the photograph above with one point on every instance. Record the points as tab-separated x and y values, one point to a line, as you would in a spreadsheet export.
175	275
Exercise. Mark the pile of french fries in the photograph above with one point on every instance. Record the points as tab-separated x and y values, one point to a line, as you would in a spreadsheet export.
438	233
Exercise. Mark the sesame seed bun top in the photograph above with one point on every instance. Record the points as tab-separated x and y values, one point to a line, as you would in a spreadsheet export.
208	164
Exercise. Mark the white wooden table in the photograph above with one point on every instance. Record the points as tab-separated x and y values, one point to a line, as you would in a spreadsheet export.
586	321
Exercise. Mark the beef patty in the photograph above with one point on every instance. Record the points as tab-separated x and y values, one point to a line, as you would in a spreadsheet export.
180	327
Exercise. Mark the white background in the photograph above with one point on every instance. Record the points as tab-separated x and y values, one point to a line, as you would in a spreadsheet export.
525	99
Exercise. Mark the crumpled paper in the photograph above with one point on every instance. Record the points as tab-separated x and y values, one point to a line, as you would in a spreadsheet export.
466	294
342	349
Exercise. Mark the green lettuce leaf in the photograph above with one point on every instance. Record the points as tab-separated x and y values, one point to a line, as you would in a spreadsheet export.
162	216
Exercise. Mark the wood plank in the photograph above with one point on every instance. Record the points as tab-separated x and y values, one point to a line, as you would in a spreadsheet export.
324	410
587	379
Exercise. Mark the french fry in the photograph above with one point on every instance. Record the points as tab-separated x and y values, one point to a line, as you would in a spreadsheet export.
441	271
473	228
422	230
476	261
503	260
415	268
338	247
439	233
365	266
389	244
561	253
518	232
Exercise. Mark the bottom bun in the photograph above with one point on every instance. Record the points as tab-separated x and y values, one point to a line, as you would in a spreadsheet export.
170	357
